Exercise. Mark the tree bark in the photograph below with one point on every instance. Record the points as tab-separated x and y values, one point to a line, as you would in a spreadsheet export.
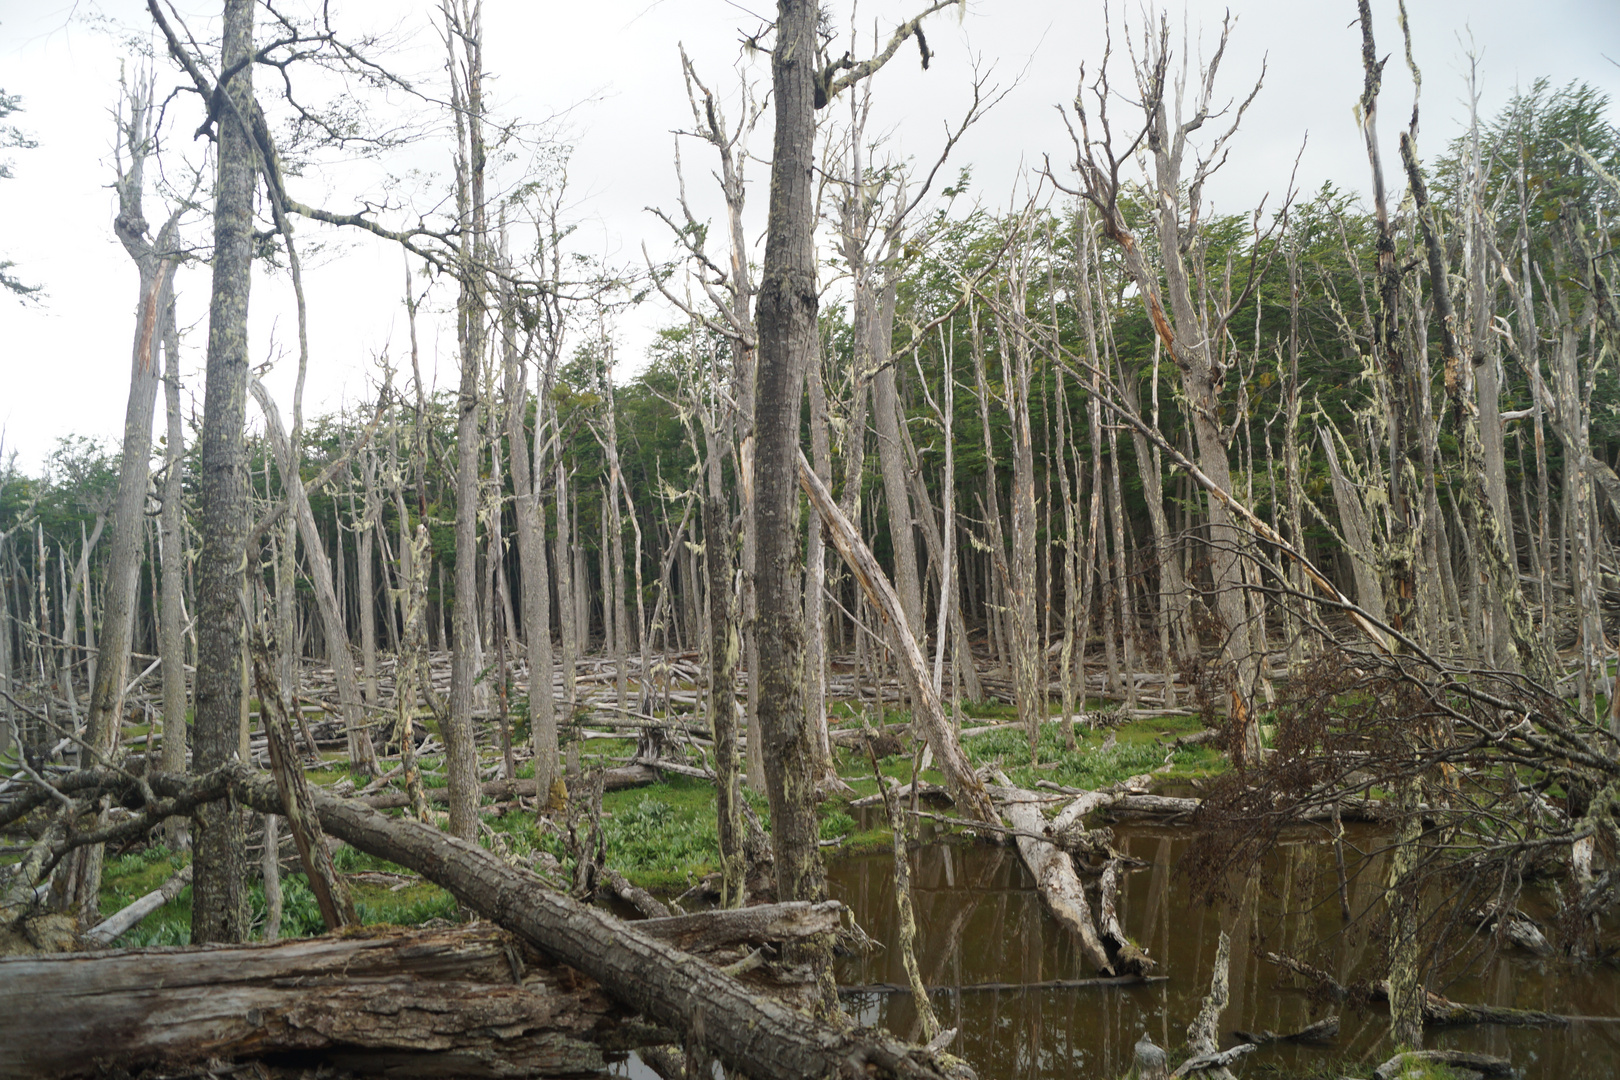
536	574
758	1036
155	260
219	902
786	317
172	613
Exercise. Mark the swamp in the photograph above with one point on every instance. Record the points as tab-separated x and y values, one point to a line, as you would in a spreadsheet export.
886	631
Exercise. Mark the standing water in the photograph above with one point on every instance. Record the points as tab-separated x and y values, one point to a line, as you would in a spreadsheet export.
981	921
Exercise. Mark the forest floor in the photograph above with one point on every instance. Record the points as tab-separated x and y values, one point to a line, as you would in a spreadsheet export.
662	836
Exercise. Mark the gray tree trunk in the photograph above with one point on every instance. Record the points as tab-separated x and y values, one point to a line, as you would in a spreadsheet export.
531	536
155	260
172	614
219	901
361	752
786	316
461	755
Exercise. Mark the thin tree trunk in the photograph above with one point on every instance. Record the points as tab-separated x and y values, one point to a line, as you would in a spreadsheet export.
531	536
461	754
361	752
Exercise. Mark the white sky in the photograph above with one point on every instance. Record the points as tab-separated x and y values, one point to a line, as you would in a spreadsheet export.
608	71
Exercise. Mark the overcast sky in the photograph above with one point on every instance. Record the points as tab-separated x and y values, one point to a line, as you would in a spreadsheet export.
605	77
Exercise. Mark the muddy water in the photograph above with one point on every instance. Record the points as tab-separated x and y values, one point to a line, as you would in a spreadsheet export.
980	920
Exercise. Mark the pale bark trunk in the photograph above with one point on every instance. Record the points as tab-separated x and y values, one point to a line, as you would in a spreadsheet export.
361	752
531	536
155	260
568	624
367	585
815	581
960	779
461	755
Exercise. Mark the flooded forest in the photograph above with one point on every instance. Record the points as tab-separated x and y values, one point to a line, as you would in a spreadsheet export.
1077	633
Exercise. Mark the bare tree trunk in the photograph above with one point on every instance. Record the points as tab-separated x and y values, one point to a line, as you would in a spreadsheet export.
724	645
1029	655
361	753
219	903
568	624
172	627
815	581
531	535
155	260
367	585
465	25
786	317
1189	330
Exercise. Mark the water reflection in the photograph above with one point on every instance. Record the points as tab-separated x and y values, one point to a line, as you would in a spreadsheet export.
980	920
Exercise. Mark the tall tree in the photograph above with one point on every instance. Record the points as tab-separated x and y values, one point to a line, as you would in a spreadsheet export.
786	317
1191	328
464	28
155	260
219	901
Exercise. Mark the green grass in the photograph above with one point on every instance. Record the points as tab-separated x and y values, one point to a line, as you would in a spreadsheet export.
1140	747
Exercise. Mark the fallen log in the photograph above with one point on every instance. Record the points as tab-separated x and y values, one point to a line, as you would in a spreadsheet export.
1054	875
106	931
1483	1064
612	780
1438	1011
725	928
643	901
1323	1031
760	1037
458	1002
1204	1031
1130	957
964	784
1109	983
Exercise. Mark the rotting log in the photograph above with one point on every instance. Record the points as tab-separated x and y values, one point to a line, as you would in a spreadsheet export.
1480	1064
1325	1030
724	928
612	780
1053	872
760	1037
964	785
457	1002
1130	958
1438	1011
746	1031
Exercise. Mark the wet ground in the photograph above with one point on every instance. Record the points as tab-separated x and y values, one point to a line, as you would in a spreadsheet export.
980	920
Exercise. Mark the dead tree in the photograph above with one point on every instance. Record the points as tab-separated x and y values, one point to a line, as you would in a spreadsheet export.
1188	330
464	35
156	258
